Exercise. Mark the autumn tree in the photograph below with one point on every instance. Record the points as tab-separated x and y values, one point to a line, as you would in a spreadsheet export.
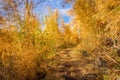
99	26
52	30
107	18
20	39
96	19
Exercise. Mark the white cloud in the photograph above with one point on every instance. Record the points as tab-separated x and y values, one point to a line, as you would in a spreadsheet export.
64	11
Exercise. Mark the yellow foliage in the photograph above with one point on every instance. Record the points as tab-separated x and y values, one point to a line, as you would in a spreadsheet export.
26	49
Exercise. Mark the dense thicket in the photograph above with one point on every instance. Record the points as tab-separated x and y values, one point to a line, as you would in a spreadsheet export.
100	30
27	50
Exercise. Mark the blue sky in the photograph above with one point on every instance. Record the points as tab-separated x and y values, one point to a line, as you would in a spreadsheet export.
55	4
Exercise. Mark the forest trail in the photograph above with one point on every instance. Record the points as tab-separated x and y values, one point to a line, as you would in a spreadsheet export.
71	66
